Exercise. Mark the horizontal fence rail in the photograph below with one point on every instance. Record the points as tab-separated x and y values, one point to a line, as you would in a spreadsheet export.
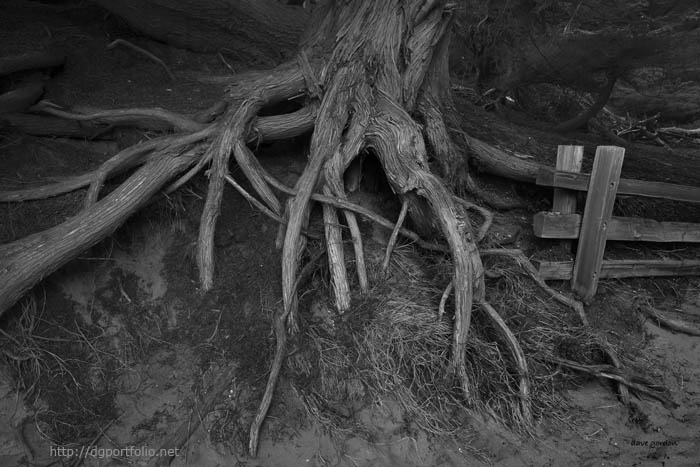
563	270
580	182
568	226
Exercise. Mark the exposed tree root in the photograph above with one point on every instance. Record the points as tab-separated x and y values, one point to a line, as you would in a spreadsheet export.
28	260
483	212
264	209
521	260
40	125
366	76
518	357
574	304
668	323
357	245
612	373
278	360
394	236
348	206
158	119
265	129
122	161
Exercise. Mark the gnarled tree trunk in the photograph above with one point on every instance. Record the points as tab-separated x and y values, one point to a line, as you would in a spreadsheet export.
373	78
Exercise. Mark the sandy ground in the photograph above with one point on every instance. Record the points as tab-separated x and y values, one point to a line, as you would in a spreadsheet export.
158	393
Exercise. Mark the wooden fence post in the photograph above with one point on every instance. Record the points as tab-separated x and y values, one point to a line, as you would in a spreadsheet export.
602	190
569	159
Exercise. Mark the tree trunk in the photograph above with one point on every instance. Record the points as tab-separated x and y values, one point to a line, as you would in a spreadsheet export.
369	72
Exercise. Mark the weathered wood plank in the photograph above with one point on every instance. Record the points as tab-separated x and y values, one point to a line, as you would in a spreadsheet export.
580	182
568	226
569	159
596	215
563	270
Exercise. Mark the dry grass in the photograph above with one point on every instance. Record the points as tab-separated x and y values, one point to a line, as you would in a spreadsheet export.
392	346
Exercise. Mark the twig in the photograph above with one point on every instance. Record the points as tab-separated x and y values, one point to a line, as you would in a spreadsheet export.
226	63
443	299
80	460
216	328
144	52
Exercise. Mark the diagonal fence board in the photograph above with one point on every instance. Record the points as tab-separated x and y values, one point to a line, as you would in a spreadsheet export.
563	270
596	215
580	182
568	226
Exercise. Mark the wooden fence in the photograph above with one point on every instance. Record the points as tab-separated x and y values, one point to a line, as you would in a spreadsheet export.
596	225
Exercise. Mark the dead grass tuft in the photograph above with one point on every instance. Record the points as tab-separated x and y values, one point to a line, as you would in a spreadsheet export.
392	346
